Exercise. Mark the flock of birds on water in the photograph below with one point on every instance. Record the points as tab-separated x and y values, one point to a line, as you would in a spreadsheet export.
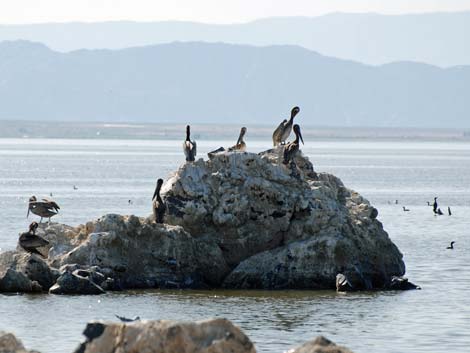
47	208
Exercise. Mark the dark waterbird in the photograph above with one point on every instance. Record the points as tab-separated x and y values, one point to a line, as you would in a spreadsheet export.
29	241
451	247
125	319
434	205
449	211
439	212
291	149
240	146
158	205
406	209
189	147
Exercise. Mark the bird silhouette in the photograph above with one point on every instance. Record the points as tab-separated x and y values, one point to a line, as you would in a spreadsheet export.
451	247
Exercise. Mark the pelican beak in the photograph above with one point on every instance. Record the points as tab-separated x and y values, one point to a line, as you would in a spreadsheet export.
27	214
301	138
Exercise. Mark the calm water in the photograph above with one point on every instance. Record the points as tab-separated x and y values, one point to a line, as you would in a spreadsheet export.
109	173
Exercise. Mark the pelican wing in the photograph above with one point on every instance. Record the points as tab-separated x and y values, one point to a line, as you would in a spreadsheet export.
194	148
32	241
277	134
52	203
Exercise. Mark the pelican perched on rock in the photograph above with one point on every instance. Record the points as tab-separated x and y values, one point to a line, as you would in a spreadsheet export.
189	147
46	208
29	241
284	129
240	146
291	149
158	205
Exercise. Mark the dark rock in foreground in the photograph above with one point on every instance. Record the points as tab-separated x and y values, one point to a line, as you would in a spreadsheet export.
239	220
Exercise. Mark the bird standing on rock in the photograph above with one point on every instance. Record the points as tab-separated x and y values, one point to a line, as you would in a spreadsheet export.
282	132
29	241
189	147
45	208
240	146
158	205
291	149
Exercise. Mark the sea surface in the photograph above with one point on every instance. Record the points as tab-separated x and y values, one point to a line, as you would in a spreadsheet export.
391	174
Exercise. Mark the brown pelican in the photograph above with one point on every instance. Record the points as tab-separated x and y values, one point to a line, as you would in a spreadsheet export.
158	205
284	129
291	149
29	241
45	208
189	147
240	145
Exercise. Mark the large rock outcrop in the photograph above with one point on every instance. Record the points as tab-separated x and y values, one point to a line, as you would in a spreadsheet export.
238	220
10	344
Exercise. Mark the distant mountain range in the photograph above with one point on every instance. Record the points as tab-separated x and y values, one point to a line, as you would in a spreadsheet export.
440	39
238	84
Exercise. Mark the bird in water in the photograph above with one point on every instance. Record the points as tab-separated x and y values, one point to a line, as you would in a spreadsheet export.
240	146
189	147
434	205
449	211
46	208
125	319
406	209
451	247
29	241
439	212
291	149
158	205
282	132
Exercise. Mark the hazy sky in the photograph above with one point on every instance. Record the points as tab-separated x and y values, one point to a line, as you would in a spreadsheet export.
215	11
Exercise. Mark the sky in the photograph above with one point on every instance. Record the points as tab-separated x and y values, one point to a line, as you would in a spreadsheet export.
209	11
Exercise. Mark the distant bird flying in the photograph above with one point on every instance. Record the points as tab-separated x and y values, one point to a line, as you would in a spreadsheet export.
158	205
125	319
240	146
189	147
282	132
451	247
46	208
29	241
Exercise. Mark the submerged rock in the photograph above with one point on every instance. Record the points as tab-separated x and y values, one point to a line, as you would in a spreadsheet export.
211	336
319	345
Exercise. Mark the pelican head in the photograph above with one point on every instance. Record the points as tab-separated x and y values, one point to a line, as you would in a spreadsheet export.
31	199
33	226
297	132
157	189
188	133
294	112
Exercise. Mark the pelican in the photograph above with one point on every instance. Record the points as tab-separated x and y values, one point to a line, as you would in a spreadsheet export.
189	147
291	149
240	146
158	205
29	241
451	247
284	129
435	205
405	209
46	208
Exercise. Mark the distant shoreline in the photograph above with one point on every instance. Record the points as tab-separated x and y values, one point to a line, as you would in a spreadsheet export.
146	131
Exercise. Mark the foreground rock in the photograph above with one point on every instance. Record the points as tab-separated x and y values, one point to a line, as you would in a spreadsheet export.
212	336
10	344
239	220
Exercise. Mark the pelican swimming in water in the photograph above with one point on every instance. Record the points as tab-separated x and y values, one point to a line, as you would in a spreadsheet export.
46	208
406	209
291	149
281	134
451	247
240	146
189	147
158	205
29	241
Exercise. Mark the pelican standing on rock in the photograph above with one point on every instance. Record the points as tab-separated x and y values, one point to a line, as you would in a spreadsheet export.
281	134
29	241
240	146
158	205
45	208
189	147
291	149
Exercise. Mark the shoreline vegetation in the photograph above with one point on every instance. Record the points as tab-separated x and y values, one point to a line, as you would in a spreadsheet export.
146	131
